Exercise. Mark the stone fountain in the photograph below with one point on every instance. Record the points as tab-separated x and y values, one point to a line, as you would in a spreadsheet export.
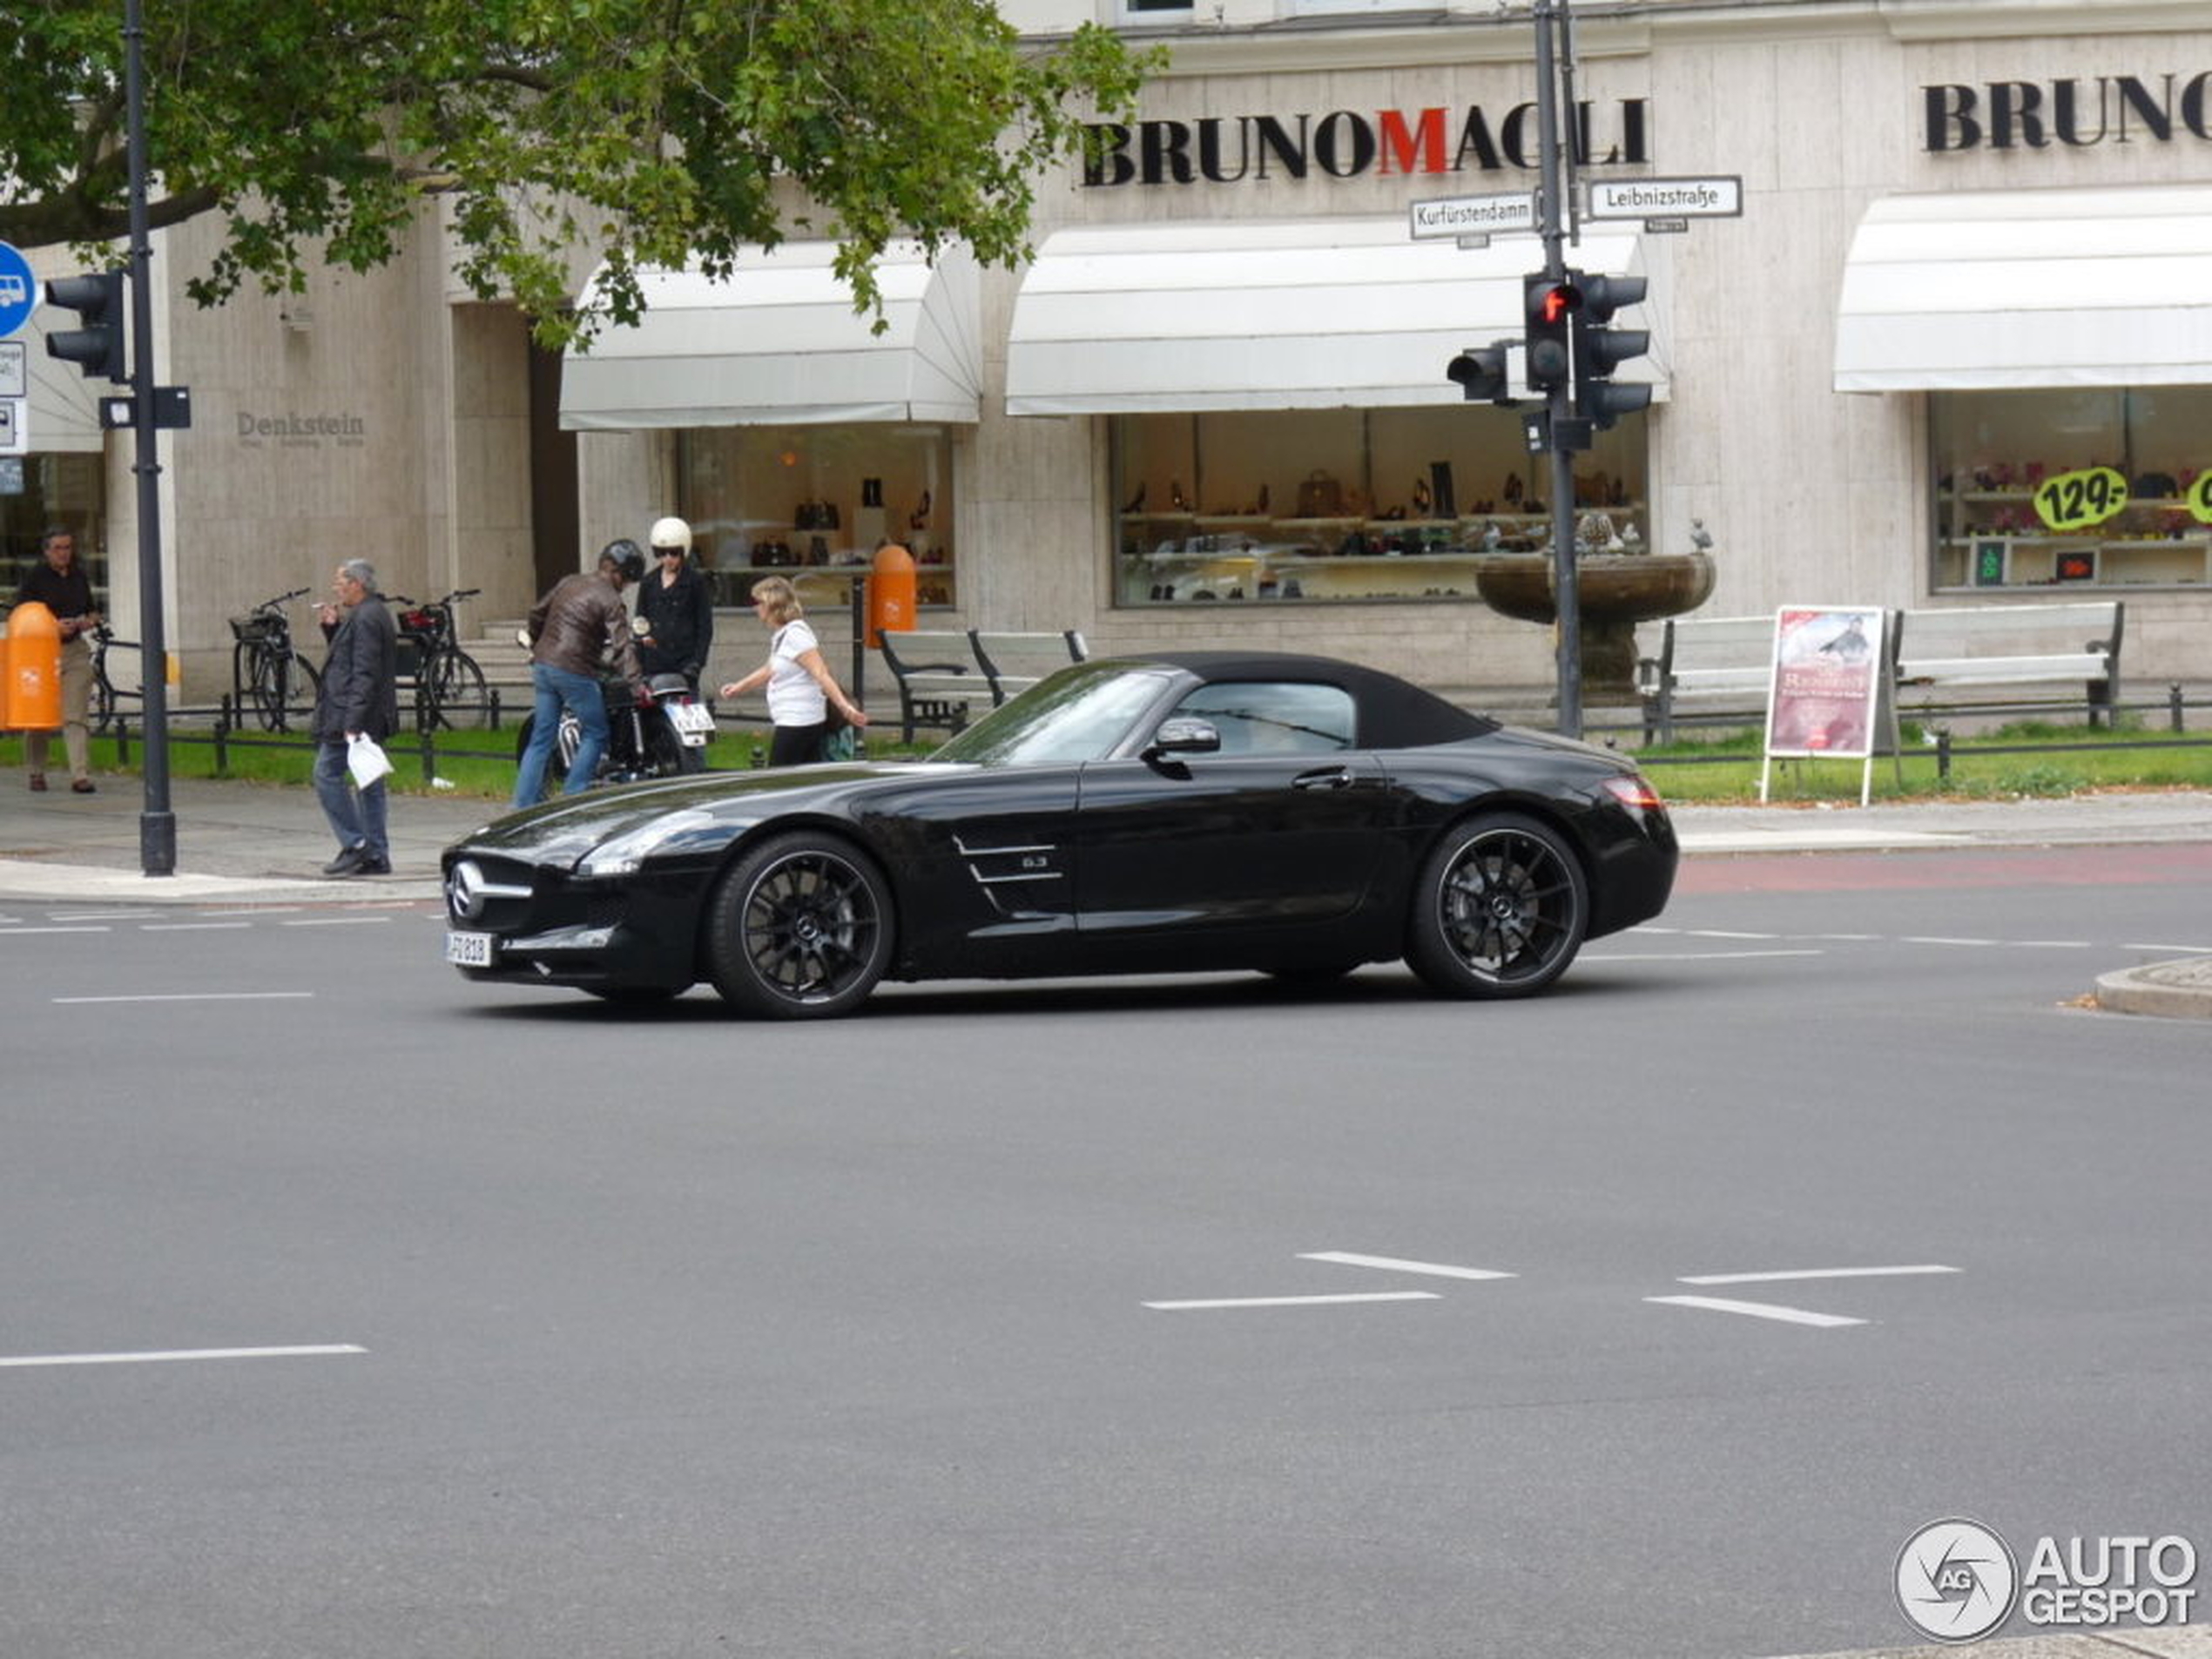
1614	591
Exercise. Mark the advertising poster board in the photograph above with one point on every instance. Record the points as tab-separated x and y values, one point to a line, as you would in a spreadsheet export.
1828	694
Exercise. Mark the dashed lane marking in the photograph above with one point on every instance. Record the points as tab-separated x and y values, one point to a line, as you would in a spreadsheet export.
1395	1265
1756	1310
1812	1272
196	996
1294	1301
172	1355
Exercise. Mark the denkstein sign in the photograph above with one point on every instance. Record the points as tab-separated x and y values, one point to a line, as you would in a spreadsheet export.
1350	143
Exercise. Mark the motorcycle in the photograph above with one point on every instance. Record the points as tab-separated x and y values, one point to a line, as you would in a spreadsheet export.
659	731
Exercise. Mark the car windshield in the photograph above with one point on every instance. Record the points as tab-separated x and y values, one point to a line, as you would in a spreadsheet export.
1076	715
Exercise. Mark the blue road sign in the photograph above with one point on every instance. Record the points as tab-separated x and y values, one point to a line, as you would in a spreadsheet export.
18	290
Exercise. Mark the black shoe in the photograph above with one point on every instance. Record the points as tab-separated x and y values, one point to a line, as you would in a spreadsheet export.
346	863
373	867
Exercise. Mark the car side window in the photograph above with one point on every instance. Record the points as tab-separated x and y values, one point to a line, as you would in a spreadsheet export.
1275	717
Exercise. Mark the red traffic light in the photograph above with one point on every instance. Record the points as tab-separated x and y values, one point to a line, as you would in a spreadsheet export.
1555	302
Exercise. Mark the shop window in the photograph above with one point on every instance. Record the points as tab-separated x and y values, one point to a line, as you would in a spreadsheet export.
814	503
39	491
1312	506
2102	488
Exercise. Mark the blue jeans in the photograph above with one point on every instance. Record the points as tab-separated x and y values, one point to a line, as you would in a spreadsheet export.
356	816
557	689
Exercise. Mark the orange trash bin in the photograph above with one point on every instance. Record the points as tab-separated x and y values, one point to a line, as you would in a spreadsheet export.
34	702
891	593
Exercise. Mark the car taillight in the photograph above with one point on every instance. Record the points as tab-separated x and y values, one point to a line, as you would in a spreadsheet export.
1633	793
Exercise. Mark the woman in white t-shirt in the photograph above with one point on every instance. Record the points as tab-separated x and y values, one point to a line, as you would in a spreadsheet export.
801	690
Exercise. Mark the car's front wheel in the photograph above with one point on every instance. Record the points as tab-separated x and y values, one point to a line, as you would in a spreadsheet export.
800	928
1499	910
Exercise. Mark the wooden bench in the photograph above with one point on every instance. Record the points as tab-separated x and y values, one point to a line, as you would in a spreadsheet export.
938	676
1014	662
943	677
2000	646
1728	661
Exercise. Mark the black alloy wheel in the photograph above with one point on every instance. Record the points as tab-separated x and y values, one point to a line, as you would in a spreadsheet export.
799	928
1501	909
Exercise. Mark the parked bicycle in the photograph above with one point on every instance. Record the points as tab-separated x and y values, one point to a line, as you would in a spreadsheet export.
449	689
269	679
105	693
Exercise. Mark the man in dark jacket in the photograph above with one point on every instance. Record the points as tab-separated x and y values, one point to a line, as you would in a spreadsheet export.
578	622
58	582
675	608
359	697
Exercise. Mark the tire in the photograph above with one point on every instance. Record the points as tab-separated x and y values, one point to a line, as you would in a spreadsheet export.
280	685
100	716
458	694
666	754
564	745
799	928
263	700
1500	908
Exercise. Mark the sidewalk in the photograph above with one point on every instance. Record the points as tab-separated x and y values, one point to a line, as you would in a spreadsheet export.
246	843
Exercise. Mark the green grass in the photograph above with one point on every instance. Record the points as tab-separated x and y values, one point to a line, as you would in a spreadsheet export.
1717	769
2027	758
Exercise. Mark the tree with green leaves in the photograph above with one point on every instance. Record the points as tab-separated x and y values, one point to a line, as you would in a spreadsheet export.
633	131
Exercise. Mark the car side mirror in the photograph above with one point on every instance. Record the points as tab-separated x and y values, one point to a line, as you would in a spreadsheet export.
1183	735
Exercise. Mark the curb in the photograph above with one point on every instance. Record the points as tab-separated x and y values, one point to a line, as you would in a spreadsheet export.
2172	990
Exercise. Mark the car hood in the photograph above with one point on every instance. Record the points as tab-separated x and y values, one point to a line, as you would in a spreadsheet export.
564	829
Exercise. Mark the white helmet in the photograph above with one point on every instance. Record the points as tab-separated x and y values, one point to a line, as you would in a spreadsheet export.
671	532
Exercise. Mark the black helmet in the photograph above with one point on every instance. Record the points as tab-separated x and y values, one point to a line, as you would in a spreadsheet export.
626	557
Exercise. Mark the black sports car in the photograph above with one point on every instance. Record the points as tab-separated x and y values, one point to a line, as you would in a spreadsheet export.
1187	812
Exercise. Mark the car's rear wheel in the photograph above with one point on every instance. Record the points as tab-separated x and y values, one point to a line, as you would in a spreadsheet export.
1499	910
800	928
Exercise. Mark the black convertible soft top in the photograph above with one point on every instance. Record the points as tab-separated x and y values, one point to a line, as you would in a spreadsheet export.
1393	714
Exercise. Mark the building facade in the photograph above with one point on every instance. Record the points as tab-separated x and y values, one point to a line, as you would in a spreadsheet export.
1956	347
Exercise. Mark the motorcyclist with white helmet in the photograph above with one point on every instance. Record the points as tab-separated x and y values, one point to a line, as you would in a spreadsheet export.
675	607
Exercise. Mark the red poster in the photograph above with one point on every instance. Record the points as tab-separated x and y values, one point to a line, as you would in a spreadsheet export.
1827	671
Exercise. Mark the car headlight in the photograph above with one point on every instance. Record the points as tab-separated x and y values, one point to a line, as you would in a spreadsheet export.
624	854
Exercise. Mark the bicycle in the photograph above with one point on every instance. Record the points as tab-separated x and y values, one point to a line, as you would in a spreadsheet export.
449	688
100	716
266	672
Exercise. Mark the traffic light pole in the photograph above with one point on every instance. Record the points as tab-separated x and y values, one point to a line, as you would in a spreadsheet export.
1550	16
157	823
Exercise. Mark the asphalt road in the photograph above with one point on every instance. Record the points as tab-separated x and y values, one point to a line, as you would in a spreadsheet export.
678	1335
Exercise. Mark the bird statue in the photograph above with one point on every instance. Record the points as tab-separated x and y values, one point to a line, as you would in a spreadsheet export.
1700	537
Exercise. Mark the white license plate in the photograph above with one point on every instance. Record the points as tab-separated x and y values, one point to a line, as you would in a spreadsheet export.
470	950
694	721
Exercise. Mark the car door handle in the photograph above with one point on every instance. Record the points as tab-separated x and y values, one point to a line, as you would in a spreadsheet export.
1330	778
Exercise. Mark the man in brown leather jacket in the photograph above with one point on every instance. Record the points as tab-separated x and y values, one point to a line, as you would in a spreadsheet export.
579	624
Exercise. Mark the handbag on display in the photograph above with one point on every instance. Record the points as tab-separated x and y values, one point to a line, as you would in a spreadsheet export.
1319	496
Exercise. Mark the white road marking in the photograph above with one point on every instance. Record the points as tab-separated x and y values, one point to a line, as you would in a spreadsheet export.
1296	1301
1395	1265
255	910
191	926
1690	955
56	930
164	1357
1932	939
2051	944
194	996
1812	1272
2177	950
1757	1309
1724	933
331	922
93	915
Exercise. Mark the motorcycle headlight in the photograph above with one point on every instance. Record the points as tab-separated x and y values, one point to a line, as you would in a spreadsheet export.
624	854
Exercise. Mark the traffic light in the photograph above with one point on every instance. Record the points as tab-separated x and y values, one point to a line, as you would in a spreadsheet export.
1599	350
1550	305
1481	372
96	349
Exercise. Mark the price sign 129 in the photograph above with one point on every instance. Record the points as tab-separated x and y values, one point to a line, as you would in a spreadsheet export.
2075	501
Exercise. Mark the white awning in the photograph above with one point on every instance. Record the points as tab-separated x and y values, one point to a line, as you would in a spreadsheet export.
2029	288
780	344
1333	314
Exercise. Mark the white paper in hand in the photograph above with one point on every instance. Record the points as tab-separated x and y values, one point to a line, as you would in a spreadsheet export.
366	759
